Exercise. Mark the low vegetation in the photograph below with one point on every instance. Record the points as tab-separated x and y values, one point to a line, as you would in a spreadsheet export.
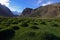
29	29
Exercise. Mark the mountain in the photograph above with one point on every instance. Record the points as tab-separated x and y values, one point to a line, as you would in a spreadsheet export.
26	12
4	11
52	10
16	13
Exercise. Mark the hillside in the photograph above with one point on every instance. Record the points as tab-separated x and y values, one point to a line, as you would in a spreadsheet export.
4	11
52	10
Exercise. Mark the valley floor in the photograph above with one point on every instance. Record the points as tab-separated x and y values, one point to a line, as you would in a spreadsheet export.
29	29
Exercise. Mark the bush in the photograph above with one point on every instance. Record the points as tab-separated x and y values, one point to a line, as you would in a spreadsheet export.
15	28
35	24
0	28
44	23
24	25
55	25
7	25
48	36
35	27
7	34
49	20
31	34
1	20
15	23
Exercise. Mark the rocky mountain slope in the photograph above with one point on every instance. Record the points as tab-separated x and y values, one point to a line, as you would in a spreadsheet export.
4	11
52	10
26	12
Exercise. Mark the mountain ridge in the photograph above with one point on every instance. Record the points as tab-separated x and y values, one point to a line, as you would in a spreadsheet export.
5	11
52	10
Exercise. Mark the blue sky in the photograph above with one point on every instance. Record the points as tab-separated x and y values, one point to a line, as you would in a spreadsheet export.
19	5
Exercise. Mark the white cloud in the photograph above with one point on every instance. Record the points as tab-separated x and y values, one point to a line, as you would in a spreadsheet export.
38	2
5	2
47	3
41	2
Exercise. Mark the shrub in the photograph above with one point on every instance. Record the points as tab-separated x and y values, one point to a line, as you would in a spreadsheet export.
35	24
1	20
15	28
44	23
28	21
7	25
48	36
31	34
55	25
49	20
0	28
24	25
7	34
15	23
35	27
21	20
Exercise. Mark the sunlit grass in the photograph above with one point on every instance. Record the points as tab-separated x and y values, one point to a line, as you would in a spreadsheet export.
31	28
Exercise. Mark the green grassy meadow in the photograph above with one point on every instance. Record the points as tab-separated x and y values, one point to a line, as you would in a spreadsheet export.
29	29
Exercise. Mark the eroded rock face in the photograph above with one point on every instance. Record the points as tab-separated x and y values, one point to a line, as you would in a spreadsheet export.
48	11
4	11
52	10
26	12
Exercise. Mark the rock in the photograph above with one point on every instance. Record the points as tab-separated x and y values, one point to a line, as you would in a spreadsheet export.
26	12
5	11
